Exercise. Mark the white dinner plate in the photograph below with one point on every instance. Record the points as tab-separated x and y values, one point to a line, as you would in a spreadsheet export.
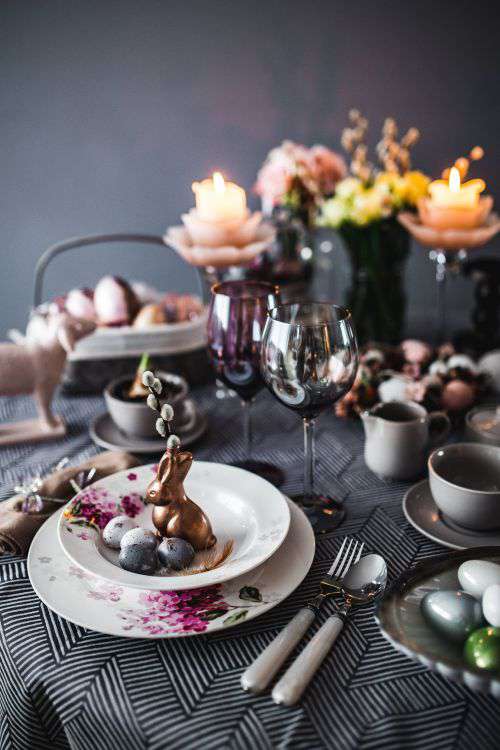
241	507
94	603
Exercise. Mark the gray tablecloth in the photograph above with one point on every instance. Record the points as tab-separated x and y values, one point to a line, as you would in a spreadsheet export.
66	687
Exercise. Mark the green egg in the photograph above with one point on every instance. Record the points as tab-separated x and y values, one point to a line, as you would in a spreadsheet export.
482	649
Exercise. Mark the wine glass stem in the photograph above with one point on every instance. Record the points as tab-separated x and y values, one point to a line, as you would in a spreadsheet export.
308	459
247	428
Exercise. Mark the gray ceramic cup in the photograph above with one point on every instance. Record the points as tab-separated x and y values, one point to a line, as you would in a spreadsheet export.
465	484
136	419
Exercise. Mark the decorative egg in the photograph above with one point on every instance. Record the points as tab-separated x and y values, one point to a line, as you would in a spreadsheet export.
115	529
114	301
394	389
138	559
489	364
145	293
438	367
175	553
80	304
462	361
476	576
491	604
150	315
457	395
141	537
482	649
453	614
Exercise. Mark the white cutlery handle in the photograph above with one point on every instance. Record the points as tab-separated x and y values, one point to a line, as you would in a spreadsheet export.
298	676
259	674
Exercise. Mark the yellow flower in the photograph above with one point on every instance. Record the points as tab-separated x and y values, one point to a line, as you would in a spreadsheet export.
349	187
370	205
333	213
416	186
394	185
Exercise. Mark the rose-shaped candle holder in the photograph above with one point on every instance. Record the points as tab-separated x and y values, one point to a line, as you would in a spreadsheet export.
450	246
213	247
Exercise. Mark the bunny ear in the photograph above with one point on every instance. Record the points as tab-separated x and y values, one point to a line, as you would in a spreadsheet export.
163	466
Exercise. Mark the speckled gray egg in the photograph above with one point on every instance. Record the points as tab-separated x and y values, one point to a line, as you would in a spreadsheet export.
141	537
453	614
137	559
175	553
116	528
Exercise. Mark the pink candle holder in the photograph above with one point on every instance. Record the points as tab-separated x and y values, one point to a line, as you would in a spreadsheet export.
213	247
450	240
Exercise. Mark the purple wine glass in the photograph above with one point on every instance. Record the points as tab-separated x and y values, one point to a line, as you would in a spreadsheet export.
236	320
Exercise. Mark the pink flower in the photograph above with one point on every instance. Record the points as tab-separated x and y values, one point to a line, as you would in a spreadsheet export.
327	168
180	611
131	504
131	477
273	182
313	171
416	352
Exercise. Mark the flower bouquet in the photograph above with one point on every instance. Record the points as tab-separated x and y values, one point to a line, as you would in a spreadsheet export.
292	183
363	211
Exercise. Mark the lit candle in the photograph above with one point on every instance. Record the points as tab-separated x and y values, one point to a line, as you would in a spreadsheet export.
455	195
451	205
220	201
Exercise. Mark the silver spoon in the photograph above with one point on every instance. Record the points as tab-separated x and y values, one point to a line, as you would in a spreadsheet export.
365	581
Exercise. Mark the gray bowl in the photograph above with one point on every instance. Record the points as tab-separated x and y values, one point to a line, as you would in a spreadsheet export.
135	418
465	484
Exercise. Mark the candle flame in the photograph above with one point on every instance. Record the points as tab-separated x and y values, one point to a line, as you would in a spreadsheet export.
454	180
219	184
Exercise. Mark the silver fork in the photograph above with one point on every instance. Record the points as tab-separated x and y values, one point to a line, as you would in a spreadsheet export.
259	674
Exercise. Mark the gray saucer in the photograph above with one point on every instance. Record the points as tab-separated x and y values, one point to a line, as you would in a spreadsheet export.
105	433
422	512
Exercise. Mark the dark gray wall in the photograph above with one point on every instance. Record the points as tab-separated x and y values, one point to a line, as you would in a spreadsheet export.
110	108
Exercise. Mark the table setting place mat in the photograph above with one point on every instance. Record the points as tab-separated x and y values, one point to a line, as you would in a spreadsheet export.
65	686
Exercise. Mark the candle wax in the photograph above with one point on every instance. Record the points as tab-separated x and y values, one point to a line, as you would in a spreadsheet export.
219	201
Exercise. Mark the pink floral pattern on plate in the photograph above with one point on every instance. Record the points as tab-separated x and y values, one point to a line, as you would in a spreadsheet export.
184	611
94	507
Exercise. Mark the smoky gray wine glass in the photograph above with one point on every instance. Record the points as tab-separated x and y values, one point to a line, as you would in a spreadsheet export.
309	359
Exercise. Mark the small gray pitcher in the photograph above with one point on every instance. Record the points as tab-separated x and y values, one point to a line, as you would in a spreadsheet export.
399	436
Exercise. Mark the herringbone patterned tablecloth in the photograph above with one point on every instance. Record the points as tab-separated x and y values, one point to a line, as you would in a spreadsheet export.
66	687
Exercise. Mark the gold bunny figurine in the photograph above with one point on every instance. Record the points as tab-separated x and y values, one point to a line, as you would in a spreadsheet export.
174	513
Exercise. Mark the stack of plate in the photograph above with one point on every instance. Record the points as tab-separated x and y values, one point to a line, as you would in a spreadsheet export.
78	577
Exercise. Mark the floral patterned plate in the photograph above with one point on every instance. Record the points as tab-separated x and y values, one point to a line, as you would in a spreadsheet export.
241	506
94	603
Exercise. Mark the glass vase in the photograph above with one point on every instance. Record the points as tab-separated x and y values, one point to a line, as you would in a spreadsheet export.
376	297
291	256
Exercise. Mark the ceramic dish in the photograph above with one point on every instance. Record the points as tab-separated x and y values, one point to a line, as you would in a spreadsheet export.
401	621
424	515
482	424
134	417
106	434
241	506
465	484
126	341
96	604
